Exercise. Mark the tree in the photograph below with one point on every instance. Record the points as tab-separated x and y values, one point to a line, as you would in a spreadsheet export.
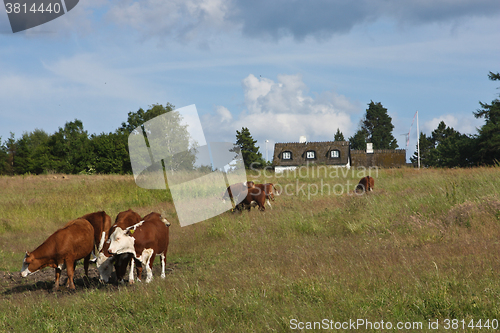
378	124
71	149
446	147
33	153
136	119
338	136
441	133
176	137
457	150
251	155
426	146
488	140
9	148
109	154
358	140
3	157
168	138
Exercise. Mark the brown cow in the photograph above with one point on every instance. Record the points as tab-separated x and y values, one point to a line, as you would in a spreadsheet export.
365	184
62	249
233	192
255	197
101	223
269	191
106	261
144	240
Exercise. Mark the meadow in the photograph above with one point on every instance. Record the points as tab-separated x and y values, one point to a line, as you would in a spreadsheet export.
421	251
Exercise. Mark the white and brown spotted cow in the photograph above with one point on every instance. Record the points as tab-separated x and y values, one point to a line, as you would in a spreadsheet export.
144	240
106	261
62	249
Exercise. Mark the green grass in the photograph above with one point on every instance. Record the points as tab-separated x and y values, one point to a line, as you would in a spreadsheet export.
423	246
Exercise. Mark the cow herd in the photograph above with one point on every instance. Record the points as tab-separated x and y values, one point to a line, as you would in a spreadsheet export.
248	194
132	241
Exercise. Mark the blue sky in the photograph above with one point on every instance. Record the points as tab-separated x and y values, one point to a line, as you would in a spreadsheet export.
283	68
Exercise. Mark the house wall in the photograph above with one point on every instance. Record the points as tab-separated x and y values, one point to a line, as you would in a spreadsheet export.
383	158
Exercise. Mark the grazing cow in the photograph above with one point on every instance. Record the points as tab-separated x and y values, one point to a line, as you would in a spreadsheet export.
101	223
365	184
255	197
106	261
269	191
62	249
144	240
235	190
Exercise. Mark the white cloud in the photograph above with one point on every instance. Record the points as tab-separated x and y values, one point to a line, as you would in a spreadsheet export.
465	124
282	111
184	20
224	114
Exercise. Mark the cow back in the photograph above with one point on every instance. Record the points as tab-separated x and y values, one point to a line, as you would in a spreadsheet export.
365	184
101	222
77	235
152	233
75	239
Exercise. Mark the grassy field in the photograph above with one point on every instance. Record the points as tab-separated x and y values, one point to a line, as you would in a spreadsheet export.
422	249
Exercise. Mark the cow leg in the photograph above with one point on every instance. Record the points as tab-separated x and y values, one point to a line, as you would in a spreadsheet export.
86	262
58	276
150	265
138	269
163	259
131	272
70	269
269	203
145	259
101	243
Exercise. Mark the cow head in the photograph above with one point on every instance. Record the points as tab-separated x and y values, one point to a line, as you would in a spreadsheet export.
121	241
104	265
27	261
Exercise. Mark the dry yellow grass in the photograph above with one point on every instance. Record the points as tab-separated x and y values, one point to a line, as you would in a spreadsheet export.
423	246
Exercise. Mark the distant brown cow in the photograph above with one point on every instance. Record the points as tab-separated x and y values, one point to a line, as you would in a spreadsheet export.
269	190
62	249
101	223
365	184
234	191
255	197
144	240
106	261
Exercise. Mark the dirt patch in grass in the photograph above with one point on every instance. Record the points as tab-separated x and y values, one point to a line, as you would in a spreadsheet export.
42	282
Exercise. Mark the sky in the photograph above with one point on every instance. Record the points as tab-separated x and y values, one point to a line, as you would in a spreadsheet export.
281	68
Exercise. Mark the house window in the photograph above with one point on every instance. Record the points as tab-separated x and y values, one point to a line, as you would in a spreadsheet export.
311	154
334	153
286	155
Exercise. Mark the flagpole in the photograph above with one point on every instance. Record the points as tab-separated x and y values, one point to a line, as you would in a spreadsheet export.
418	142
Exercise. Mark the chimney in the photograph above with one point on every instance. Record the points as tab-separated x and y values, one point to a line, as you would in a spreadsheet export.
369	148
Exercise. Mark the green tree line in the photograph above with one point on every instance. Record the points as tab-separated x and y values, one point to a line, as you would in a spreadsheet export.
446	147
72	150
